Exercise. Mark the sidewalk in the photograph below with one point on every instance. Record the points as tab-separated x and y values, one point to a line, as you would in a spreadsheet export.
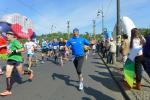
143	94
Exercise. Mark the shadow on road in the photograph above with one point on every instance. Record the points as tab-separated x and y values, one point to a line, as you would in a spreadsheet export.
117	75
97	62
107	81
66	78
87	90
16	78
96	94
96	58
102	67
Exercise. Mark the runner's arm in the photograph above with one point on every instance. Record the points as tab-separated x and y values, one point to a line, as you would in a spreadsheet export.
3	46
86	42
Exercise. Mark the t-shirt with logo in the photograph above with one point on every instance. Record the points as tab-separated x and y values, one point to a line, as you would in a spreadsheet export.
15	45
30	47
44	45
61	46
77	45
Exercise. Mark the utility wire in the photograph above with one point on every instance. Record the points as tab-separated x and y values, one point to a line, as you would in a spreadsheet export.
108	8
29	7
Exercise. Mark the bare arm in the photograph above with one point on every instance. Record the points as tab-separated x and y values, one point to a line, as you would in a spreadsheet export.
3	46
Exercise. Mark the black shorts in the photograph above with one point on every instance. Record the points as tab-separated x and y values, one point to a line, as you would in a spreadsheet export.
56	51
49	49
62	53
44	50
13	62
78	63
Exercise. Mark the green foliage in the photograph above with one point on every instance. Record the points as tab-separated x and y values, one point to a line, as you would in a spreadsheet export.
145	31
50	37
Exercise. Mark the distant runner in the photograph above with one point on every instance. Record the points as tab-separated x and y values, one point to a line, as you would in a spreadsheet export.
30	47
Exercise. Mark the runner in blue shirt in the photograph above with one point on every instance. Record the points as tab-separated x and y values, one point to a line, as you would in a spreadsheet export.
55	45
44	47
50	48
77	46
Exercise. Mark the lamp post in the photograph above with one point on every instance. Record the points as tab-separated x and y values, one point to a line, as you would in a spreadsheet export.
100	12
68	27
118	27
94	30
52	28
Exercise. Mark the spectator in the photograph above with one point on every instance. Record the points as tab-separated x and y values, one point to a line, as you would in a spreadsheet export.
124	50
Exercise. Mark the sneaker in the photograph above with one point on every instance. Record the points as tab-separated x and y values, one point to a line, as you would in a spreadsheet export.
81	86
31	76
42	62
6	93
1	72
29	68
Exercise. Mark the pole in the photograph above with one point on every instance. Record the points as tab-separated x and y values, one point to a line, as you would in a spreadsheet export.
94	30
68	27
102	20
102	14
118	27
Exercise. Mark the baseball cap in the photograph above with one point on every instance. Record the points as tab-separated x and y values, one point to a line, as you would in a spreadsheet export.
75	30
10	32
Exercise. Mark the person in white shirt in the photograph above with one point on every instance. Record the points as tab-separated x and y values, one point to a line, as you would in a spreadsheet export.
30	47
136	54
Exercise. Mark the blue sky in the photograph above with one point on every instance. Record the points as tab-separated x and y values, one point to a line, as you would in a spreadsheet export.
80	13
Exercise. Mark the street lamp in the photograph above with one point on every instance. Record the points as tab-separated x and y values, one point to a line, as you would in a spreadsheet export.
100	12
68	27
118	27
52	28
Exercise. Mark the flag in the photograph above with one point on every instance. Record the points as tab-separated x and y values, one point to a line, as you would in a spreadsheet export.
129	72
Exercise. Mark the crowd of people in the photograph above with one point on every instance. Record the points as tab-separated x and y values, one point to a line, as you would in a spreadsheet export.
133	48
59	51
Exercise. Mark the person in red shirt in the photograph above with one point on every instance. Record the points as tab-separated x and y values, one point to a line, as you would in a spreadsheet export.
3	49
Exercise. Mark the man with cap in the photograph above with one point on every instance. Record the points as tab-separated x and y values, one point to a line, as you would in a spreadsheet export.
77	46
14	61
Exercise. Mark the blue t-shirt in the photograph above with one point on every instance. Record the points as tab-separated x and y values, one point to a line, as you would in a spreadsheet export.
50	45
55	45
77	45
44	45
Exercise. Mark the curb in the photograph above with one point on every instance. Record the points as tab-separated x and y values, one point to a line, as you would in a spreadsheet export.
126	97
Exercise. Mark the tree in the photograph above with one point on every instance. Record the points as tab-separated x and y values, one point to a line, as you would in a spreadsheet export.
144	31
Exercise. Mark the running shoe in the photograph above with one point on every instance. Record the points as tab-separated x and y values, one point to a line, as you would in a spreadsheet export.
31	75
42	62
29	68
1	72
6	93
81	86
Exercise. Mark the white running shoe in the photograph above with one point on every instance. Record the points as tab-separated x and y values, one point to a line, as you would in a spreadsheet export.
1	72
42	62
81	86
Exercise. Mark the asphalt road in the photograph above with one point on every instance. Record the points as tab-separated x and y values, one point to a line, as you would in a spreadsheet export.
52	82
